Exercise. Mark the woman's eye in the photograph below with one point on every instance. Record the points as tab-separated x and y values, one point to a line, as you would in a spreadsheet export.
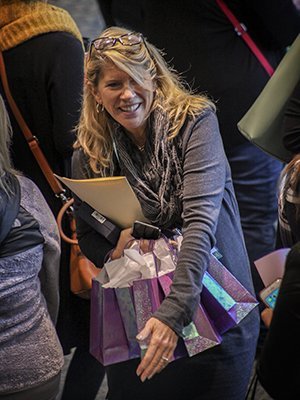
113	85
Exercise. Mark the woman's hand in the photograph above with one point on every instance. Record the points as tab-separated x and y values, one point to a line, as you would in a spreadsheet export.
266	316
125	237
163	341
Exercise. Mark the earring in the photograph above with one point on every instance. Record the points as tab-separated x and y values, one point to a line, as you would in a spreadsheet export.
98	109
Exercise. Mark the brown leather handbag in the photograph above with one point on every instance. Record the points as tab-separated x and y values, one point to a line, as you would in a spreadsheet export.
82	270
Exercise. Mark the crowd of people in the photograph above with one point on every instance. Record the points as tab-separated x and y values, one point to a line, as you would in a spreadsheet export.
118	107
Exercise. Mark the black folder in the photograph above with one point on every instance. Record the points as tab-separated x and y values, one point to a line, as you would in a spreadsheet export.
100	223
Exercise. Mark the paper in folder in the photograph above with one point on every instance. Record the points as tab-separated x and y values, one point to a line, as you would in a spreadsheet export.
112	197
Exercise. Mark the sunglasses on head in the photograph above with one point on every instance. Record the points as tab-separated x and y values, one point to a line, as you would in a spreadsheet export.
128	39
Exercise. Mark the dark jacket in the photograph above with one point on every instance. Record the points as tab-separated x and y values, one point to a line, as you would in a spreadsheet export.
45	75
279	365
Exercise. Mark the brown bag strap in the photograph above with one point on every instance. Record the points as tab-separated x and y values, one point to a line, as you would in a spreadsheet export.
30	138
65	210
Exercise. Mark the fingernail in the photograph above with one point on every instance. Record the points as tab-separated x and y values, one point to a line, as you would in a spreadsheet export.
139	337
149	377
143	379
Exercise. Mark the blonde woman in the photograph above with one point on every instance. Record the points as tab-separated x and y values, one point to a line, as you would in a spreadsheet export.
139	121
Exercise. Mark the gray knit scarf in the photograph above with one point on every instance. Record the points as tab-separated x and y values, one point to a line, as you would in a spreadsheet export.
156	173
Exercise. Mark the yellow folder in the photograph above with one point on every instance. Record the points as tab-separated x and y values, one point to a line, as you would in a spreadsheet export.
112	197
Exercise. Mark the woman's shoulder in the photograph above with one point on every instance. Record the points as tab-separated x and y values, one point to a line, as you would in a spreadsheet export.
59	40
202	131
27	185
32	198
208	113
78	155
33	201
79	163
198	124
205	114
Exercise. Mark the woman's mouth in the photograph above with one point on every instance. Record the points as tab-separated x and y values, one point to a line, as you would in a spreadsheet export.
130	107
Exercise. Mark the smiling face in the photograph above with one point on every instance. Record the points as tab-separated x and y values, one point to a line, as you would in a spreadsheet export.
124	99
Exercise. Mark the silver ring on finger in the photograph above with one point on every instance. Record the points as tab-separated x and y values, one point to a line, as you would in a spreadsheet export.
164	358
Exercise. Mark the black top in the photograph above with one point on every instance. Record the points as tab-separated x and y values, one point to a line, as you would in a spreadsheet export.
24	235
19	230
45	75
279	366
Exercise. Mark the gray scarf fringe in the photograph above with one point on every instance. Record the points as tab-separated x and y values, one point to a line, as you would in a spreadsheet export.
155	174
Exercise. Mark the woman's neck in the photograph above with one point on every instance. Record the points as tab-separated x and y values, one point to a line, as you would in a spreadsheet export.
138	138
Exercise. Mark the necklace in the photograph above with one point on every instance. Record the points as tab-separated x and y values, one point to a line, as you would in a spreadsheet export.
141	148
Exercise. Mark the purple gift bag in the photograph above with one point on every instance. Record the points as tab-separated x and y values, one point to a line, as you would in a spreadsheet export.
113	327
224	298
198	336
118	314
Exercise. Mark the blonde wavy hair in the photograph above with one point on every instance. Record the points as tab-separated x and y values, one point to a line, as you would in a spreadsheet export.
139	62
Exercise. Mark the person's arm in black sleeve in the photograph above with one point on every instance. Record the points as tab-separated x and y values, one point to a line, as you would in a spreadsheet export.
94	246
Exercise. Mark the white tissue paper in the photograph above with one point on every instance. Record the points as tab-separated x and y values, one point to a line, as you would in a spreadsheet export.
135	265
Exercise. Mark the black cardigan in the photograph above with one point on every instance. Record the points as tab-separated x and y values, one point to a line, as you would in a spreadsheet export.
45	75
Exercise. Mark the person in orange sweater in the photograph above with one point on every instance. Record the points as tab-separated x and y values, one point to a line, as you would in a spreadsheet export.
43	54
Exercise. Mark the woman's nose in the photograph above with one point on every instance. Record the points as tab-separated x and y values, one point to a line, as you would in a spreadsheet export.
128	92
